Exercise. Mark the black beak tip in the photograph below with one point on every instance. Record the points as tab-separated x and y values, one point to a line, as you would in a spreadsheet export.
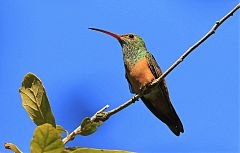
92	28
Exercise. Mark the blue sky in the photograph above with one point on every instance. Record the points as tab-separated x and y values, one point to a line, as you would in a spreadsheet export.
82	71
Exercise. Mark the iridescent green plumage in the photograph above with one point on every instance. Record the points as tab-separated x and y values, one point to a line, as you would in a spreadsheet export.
133	49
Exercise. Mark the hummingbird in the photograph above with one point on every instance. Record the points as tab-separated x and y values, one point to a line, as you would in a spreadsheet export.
141	69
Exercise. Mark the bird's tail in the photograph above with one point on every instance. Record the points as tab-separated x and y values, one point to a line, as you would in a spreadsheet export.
166	113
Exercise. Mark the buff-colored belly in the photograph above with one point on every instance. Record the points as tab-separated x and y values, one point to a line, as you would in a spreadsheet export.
140	75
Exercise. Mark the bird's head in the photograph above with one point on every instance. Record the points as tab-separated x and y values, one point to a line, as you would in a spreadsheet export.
133	46
129	40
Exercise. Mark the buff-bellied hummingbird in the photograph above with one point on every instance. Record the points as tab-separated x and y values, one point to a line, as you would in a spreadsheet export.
141	69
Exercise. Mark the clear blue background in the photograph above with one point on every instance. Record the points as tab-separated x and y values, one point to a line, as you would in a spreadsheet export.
82	71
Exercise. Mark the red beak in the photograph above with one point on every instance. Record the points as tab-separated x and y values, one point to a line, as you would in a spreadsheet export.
118	37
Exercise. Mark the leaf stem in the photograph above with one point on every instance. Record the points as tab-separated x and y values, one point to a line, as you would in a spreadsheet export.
12	147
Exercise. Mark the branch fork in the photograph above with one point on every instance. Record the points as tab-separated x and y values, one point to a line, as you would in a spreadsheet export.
98	118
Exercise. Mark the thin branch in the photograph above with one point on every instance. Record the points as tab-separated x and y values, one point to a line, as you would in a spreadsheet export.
121	107
102	116
71	136
92	120
95	116
186	53
212	31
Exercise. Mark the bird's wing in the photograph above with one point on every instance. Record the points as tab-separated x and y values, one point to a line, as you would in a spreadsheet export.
170	117
157	72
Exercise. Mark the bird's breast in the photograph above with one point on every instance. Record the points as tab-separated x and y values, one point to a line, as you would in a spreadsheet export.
140	74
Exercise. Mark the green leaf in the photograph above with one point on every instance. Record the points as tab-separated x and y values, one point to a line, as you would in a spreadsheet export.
60	129
46	139
92	150
88	127
35	101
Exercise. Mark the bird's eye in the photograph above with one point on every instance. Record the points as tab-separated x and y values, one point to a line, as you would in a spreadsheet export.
131	36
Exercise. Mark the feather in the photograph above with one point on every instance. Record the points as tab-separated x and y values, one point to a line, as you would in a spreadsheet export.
167	113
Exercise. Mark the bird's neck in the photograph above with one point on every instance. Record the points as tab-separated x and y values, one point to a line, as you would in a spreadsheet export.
133	54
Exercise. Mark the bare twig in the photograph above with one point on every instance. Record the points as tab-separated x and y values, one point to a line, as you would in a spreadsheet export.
212	31
102	116
95	116
186	53
71	136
